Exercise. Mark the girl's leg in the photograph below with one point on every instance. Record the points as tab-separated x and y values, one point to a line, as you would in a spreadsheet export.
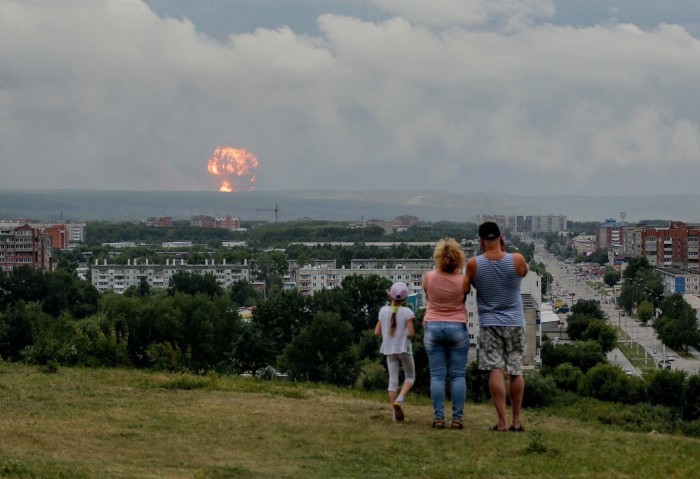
409	371
392	364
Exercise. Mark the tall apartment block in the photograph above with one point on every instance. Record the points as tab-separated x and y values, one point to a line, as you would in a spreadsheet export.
25	246
527	224
677	246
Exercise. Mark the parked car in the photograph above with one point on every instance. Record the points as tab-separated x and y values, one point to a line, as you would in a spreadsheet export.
670	358
663	364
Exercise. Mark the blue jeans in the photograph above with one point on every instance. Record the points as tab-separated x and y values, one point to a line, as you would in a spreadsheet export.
447	345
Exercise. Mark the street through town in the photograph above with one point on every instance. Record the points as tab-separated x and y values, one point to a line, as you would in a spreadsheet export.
570	281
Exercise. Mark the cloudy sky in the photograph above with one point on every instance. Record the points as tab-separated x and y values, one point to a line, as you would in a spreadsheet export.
524	96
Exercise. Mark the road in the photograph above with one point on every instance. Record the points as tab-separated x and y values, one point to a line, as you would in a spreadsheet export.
566	280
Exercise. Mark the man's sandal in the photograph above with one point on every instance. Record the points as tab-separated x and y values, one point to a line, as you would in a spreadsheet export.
438	424
457	424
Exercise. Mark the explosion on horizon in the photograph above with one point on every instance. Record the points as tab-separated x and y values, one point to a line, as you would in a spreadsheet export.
235	168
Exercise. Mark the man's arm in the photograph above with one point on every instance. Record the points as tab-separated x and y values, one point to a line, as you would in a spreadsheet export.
471	269
520	264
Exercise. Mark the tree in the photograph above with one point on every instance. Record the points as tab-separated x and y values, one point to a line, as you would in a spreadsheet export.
281	318
581	354
243	293
665	387
588	307
678	325
322	352
602	333
192	284
366	295
609	383
611	277
645	311
547	278
582	313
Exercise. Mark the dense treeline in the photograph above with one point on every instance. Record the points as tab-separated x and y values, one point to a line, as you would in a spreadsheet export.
272	235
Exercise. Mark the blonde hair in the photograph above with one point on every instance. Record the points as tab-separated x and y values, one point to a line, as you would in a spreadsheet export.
449	255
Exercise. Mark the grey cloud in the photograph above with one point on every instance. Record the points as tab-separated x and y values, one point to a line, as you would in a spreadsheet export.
110	95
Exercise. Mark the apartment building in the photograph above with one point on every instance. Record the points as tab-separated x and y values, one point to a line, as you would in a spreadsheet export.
117	278
24	246
677	246
632	239
610	233
313	278
527	224
230	223
62	234
584	244
158	222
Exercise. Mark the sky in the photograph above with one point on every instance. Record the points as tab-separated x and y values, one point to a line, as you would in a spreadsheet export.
527	97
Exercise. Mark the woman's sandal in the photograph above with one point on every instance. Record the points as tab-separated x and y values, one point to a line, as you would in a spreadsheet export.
457	424
438	424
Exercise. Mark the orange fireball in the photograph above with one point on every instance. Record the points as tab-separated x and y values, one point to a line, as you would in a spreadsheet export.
235	168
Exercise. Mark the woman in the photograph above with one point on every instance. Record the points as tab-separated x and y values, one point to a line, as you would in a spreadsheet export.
445	322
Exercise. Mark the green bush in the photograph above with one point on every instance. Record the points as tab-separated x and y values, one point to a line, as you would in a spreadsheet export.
665	387
567	377
373	377
691	398
539	390
163	357
477	383
609	383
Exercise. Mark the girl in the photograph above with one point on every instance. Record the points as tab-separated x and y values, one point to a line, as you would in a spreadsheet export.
395	326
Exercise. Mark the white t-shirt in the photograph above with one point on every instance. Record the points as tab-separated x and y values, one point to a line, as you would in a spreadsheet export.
399	342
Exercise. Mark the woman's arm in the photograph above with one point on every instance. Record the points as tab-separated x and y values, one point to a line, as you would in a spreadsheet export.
378	329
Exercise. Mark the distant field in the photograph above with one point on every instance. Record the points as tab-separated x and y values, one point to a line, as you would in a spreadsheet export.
104	423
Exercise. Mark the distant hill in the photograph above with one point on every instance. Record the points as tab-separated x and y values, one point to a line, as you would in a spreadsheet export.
87	205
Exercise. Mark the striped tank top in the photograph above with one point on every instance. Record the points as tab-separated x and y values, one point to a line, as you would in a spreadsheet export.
498	292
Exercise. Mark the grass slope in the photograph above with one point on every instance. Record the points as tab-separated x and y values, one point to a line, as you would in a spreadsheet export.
106	423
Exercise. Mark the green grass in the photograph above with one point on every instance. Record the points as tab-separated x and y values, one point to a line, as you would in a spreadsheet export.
109	423
634	352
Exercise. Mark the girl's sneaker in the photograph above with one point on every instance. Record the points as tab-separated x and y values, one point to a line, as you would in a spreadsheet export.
398	411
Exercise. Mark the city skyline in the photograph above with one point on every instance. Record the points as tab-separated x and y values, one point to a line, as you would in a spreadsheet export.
527	98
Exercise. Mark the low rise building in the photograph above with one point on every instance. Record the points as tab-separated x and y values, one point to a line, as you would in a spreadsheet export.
680	281
117	278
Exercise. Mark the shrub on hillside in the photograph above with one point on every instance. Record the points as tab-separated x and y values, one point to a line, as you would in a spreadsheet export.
665	387
477	383
582	354
567	377
373	377
691	399
539	390
609	383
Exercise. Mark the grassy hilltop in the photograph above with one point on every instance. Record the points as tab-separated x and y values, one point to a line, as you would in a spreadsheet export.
108	423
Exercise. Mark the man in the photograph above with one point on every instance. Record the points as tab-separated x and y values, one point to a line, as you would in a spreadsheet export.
496	275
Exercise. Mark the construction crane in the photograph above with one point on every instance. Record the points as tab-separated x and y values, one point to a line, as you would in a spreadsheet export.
275	209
